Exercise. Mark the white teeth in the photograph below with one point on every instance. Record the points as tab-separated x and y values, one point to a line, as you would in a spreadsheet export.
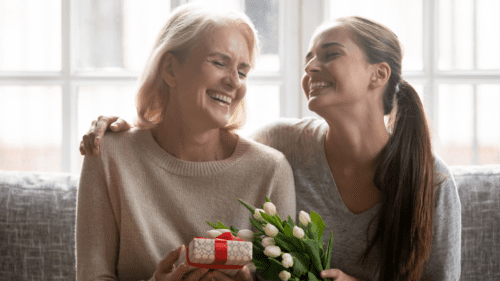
226	99
318	85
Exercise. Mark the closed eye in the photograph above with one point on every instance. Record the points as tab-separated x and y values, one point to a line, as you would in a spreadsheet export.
218	63
331	55
242	74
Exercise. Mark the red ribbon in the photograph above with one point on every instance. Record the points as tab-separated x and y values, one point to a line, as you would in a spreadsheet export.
220	253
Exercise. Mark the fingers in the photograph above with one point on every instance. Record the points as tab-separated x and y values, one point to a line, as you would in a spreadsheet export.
85	145
197	274
173	276
244	275
337	274
219	276
166	264
120	125
96	133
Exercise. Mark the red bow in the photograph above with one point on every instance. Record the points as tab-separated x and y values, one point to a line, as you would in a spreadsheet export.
220	253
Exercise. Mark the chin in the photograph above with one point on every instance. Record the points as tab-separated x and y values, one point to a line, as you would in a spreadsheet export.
316	103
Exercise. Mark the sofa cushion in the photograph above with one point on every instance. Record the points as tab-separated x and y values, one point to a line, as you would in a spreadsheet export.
479	191
37	218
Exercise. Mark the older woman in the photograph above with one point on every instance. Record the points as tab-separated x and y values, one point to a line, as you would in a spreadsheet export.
391	203
152	189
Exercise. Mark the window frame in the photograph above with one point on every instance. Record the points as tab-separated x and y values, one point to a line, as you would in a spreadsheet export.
298	20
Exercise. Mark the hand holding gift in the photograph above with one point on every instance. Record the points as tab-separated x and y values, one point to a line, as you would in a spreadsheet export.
283	250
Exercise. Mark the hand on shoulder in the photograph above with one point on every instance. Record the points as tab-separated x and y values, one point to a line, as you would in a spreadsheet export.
91	141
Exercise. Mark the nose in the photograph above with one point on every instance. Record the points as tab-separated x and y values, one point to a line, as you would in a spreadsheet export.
233	80
312	66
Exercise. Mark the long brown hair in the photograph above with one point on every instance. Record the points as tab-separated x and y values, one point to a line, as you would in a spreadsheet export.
404	172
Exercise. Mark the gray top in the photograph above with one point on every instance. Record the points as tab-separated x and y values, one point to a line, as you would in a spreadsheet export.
302	143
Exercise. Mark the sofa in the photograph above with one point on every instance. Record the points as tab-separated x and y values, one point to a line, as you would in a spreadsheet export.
37	218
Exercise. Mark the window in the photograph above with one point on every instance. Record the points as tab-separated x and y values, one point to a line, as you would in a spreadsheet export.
64	62
452	59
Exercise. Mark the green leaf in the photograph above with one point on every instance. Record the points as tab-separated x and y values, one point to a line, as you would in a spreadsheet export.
215	226
312	277
328	254
301	264
278	219
283	243
312	249
272	221
312	231
272	272
222	226
257	225
290	222
267	199
248	206
288	230
320	224
234	230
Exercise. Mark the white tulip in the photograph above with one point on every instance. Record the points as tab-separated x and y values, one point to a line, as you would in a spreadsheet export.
269	208
213	233
224	230
304	218
298	232
271	230
287	260
257	215
245	234
285	275
268	241
272	251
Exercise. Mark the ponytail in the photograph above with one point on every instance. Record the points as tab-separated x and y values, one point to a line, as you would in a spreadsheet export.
404	176
404	169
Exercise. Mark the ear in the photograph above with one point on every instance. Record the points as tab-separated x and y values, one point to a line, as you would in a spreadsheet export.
168	65
381	75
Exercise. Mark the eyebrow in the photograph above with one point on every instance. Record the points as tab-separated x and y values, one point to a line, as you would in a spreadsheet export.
326	45
226	57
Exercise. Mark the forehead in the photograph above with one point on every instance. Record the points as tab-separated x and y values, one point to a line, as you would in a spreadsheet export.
228	40
337	33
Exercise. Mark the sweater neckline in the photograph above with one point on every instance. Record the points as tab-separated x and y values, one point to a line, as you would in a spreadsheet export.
320	141
188	168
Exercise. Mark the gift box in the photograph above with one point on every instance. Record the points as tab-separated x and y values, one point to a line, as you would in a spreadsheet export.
226	253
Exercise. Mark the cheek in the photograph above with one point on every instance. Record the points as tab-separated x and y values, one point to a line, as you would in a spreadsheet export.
242	91
305	81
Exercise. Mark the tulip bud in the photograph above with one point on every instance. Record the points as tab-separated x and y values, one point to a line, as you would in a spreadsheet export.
246	235
268	241
287	260
272	251
257	215
224	230
270	230
213	233
304	218
298	232
269	208
285	275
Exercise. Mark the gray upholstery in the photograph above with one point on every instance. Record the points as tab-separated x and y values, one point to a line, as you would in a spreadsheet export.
479	191
37	217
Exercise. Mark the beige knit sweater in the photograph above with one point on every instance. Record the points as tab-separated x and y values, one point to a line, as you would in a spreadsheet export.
136	202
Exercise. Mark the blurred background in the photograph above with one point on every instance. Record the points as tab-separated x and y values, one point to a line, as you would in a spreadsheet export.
65	62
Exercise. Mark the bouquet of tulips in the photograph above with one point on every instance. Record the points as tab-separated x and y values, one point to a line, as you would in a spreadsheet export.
283	250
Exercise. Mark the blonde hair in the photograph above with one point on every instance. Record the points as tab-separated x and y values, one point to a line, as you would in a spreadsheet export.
184	28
